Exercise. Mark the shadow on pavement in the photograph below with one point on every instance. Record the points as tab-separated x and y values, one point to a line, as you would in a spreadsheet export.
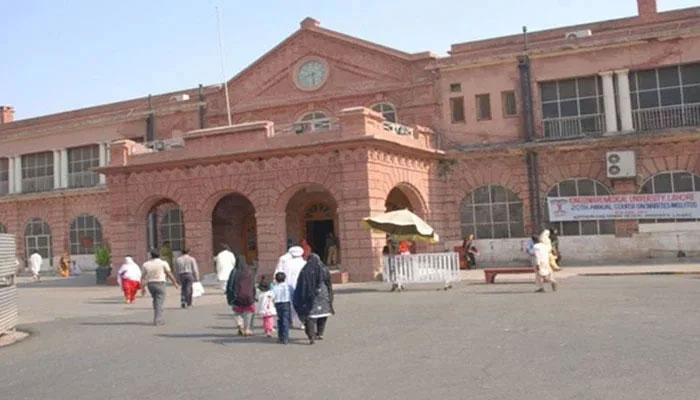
223	339
125	323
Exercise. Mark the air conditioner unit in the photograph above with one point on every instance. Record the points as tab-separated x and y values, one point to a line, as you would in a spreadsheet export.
157	145
620	164
299	128
578	34
181	97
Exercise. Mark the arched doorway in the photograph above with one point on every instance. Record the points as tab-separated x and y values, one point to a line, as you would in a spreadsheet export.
166	226
400	197
233	223
311	214
37	237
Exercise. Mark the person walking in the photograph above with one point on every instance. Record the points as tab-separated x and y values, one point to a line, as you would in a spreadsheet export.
34	264
240	293
129	279
307	249
283	294
155	271
266	306
543	270
554	237
313	297
225	263
64	265
187	273
292	266
332	247
469	250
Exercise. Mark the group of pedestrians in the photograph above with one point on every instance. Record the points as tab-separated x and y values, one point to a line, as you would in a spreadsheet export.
300	296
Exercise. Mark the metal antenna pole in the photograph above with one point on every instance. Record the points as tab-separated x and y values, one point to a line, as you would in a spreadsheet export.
223	69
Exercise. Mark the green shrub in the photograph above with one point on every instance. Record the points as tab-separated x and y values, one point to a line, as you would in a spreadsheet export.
103	257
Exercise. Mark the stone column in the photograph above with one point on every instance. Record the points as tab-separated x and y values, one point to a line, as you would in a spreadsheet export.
64	167
623	95
626	227
271	240
609	101
103	161
18	174
361	248
56	169
10	175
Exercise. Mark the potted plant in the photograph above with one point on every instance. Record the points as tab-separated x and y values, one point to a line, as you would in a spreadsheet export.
103	258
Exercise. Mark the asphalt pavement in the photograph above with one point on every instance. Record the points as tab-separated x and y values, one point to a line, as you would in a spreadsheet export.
612	337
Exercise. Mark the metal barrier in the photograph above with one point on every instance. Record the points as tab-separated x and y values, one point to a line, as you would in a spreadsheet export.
421	268
8	291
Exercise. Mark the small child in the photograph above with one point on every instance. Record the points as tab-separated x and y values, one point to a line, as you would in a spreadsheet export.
283	294
266	306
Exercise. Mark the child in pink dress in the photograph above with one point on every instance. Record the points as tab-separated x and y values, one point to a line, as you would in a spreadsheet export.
266	307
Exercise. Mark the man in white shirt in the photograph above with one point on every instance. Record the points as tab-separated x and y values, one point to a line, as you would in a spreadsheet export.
155	271
225	263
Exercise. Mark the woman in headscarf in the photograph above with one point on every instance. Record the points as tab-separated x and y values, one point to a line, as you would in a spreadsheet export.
313	297
64	265
129	278
546	238
240	293
543	270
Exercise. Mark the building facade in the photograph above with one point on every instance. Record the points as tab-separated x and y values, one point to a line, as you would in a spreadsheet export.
327	129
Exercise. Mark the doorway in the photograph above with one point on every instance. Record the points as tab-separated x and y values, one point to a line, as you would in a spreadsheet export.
316	232
42	245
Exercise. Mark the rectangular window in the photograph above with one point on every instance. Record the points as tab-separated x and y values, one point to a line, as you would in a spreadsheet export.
457	109
572	107
4	176
37	172
455	87
510	107
665	97
81	160
483	107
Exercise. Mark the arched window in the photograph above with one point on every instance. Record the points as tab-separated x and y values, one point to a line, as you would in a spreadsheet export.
172	228
580	187
492	211
670	182
3	229
315	121
387	110
85	234
37	236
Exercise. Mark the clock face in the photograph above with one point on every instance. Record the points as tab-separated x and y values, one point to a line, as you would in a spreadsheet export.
312	74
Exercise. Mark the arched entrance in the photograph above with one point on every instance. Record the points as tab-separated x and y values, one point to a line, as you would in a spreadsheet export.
233	223
397	200
165	227
311	214
404	196
37	237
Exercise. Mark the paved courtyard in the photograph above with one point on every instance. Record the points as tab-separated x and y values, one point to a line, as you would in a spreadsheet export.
622	337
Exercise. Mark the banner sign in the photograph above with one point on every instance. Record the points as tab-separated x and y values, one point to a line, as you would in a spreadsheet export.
625	206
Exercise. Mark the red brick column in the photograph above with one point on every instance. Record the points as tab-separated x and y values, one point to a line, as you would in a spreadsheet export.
198	238
272	241
628	227
361	248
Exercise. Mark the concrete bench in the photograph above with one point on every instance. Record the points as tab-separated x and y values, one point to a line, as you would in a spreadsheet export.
490	273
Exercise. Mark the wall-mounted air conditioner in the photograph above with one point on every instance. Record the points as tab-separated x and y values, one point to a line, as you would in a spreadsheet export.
620	164
578	34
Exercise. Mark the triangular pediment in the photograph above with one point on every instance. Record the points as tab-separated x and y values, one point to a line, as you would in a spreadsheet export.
352	65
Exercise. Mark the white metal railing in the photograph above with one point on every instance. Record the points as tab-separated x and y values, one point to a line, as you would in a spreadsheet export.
421	268
650	119
37	184
83	179
583	125
4	188
401	130
303	127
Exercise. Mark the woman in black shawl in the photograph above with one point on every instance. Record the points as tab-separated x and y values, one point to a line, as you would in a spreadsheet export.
240	293
313	297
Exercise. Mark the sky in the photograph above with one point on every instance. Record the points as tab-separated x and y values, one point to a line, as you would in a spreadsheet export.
58	56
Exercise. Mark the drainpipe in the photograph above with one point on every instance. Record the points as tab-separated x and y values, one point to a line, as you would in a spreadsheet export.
202	109
150	122
531	157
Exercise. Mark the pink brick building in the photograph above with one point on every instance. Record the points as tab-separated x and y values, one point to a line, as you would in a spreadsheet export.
327	129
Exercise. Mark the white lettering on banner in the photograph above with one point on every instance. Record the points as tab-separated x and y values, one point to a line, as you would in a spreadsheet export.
627	206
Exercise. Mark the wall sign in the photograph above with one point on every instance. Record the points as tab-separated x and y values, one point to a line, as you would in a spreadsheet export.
626	206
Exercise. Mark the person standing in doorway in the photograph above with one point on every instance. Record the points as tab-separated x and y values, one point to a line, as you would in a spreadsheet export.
332	247
166	254
187	273
313	297
225	263
34	264
155	271
64	265
240	293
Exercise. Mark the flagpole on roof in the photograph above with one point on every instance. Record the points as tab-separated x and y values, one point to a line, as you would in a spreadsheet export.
223	68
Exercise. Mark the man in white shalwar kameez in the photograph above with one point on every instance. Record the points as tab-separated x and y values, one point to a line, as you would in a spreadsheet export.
35	261
225	263
291	263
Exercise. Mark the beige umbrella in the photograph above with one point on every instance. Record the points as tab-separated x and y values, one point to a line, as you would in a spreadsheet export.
402	225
